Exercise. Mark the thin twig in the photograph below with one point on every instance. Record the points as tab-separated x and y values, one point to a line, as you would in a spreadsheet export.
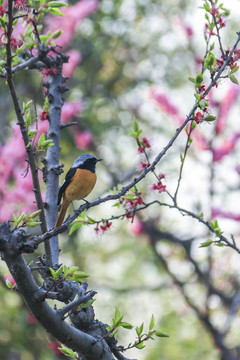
23	128
74	304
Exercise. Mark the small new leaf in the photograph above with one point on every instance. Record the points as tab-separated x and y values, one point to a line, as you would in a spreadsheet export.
8	283
75	225
67	352
140	345
192	79
56	4
206	243
126	325
209	118
161	333
234	79
152	323
139	329
199	79
53	273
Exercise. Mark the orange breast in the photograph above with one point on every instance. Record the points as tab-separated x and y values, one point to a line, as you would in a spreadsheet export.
81	185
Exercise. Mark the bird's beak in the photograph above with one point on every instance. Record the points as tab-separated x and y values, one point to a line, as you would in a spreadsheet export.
99	160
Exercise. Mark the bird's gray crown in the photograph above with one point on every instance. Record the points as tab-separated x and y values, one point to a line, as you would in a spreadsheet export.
81	159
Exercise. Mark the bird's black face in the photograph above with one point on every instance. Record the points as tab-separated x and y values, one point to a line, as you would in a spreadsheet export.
90	164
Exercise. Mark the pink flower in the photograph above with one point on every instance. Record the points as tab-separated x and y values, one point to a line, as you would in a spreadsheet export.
146	143
54	345
214	11
163	102
83	139
42	128
136	227
159	187
70	109
216	212
31	319
226	104
73	15
227	147
198	117
74	60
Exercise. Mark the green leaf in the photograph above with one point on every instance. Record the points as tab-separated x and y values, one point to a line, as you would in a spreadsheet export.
234	70
59	272
81	274
47	143
152	323
220	244
234	79
65	270
198	97
206	243
73	269
161	333
32	133
53	273
21	217
67	352
211	60
57	33
15	219
209	118
126	325
27	105
41	140
192	79
140	345
28	118
75	226
199	79
56	4
207	6
31	223
46	104
117	313
56	11
91	221
8	284
35	213
203	103
139	329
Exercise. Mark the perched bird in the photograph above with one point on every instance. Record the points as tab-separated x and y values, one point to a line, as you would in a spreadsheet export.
79	182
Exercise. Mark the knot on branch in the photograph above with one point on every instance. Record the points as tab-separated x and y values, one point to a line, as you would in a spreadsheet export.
14	242
83	319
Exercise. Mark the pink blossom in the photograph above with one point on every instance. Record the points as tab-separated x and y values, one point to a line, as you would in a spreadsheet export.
225	105
226	148
166	105
73	15
31	319
74	60
136	227
163	102
216	212
83	139
187	28
54	345
237	169
70	109
42	128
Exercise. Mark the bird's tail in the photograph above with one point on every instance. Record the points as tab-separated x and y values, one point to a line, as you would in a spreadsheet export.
62	212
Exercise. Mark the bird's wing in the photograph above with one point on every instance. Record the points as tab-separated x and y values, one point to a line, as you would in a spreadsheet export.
68	179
